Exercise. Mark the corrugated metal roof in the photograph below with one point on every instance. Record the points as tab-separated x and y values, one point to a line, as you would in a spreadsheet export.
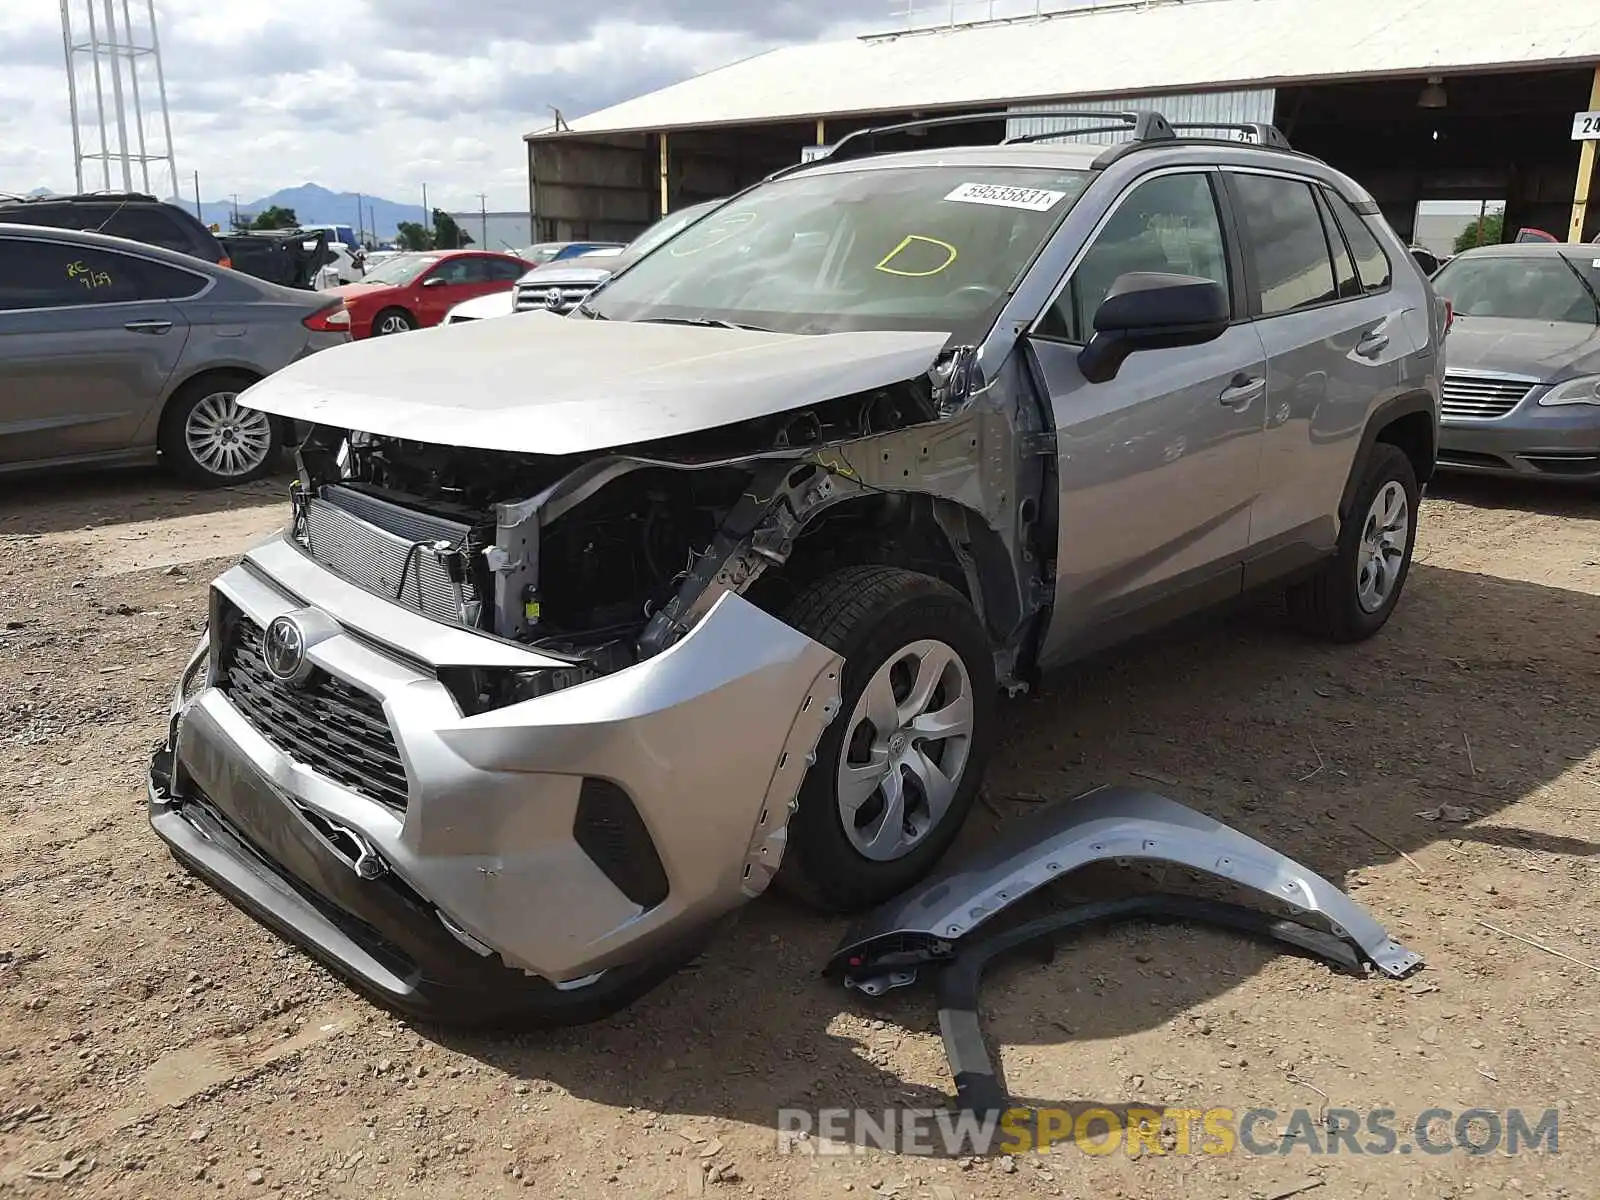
1169	45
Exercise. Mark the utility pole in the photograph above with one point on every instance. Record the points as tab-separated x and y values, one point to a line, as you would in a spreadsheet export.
199	214
427	213
235	196
483	217
361	233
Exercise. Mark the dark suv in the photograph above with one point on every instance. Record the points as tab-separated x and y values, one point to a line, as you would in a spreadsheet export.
130	215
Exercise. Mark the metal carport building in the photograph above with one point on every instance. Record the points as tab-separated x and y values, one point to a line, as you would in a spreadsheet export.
1419	99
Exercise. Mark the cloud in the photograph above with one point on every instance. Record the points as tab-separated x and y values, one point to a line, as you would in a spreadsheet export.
382	96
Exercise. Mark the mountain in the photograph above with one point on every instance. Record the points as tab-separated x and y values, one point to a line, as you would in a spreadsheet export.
316	205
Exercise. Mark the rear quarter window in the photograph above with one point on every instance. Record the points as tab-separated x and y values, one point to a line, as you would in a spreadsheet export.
1372	264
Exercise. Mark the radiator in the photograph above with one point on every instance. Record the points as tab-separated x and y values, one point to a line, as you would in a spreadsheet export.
399	553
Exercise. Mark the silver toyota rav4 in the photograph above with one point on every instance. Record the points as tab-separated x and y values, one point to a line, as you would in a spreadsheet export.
587	628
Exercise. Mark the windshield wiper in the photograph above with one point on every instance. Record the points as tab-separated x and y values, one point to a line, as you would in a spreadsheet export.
583	310
703	322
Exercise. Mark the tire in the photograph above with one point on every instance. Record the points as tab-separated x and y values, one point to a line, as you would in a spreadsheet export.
208	439
392	321
874	617
1332	604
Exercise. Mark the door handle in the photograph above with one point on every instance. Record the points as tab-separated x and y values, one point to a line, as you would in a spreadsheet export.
1242	391
1372	344
148	326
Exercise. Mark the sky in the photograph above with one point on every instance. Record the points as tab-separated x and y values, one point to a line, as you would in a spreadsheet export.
382	96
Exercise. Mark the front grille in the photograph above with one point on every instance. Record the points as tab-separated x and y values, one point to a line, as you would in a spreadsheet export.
413	558
1481	397
336	729
568	296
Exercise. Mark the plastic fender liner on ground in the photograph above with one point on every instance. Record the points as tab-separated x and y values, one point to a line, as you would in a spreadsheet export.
979	1086
1109	824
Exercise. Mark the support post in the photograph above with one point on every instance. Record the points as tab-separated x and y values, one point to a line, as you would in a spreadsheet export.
72	93
665	198
822	132
1586	153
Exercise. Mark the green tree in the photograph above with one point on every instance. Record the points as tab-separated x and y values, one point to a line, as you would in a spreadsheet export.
1492	234
412	235
447	235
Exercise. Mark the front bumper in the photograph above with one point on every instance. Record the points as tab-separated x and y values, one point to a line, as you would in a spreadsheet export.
478	882
1562	442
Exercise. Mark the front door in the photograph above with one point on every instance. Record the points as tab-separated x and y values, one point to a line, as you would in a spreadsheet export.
1158	467
84	354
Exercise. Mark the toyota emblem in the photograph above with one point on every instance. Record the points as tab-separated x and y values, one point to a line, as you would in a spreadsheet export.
285	650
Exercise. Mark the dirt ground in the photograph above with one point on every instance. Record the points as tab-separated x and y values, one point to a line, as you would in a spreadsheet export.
156	1042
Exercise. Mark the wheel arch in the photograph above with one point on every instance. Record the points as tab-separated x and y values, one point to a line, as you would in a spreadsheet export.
918	532
1407	422
182	385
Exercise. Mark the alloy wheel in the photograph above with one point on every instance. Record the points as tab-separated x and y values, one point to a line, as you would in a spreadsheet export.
226	438
905	749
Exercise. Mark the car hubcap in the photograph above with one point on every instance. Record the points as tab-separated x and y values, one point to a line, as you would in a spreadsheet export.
226	438
393	324
1383	547
905	749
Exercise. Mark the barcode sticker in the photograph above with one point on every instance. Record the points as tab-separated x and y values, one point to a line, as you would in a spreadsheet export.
1004	196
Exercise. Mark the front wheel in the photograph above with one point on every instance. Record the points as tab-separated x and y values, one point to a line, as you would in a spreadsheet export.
898	771
1355	593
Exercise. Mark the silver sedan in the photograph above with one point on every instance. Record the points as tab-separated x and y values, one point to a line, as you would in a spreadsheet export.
1522	382
114	352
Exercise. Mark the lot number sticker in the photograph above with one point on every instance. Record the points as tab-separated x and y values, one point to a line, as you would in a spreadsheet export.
1001	196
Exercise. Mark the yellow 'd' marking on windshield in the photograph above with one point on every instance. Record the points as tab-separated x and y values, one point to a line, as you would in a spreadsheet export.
721	232
905	244
89	279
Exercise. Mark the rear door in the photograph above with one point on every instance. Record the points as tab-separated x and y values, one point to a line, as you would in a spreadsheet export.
87	345
1158	467
1335	333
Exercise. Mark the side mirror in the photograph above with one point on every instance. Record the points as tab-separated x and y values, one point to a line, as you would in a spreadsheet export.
1149	310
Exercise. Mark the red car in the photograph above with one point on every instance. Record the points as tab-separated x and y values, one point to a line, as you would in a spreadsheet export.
414	291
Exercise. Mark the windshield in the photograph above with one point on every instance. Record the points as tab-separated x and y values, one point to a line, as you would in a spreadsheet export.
400	270
542	253
1546	288
888	248
666	227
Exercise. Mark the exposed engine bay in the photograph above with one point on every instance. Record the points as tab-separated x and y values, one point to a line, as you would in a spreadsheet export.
604	559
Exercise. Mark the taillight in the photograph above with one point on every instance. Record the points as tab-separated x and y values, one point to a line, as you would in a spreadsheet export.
225	262
333	319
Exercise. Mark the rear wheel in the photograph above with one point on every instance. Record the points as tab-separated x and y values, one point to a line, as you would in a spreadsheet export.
212	440
392	320
1354	594
897	772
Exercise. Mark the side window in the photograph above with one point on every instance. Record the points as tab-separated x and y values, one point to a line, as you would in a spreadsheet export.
1344	269
1281	224
1372	263
502	271
1167	224
455	270
152	227
56	275
161	282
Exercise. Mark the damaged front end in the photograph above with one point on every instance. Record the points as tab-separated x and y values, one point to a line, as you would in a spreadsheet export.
502	734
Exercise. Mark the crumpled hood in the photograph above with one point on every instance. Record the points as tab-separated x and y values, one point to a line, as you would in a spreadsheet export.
1548	350
537	383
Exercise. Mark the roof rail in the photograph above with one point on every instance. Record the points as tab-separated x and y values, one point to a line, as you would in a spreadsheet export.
1262	132
1144	126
